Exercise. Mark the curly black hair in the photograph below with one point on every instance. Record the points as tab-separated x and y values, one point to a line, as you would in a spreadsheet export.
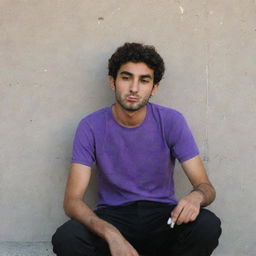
136	52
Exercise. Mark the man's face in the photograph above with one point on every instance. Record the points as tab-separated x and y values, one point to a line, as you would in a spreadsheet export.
133	85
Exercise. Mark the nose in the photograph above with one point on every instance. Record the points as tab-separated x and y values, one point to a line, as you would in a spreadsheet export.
134	86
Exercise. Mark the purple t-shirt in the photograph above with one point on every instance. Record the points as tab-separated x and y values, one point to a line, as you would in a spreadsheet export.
134	163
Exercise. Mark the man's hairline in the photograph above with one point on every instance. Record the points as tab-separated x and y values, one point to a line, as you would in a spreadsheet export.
114	78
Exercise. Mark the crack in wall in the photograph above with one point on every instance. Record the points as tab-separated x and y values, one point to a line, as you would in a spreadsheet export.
206	142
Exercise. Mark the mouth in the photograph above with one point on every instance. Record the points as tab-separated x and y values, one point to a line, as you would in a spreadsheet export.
132	98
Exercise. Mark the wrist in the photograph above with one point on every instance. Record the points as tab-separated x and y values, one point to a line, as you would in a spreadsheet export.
112	234
199	194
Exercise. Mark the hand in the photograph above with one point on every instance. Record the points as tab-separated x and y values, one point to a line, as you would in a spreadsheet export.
119	246
188	208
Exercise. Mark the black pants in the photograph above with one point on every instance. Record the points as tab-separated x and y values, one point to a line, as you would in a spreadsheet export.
144	225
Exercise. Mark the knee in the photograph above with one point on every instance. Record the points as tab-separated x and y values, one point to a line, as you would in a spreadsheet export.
66	235
202	235
62	233
209	226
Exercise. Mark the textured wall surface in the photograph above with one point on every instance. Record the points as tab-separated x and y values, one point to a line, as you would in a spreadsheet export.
53	71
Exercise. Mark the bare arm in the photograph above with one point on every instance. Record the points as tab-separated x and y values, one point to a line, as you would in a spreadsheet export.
202	195
76	208
198	177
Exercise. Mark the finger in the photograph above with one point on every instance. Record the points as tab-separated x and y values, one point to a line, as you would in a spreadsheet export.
182	218
194	216
189	214
194	211
175	214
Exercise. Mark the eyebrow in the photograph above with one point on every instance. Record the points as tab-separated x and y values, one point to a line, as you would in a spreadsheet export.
130	74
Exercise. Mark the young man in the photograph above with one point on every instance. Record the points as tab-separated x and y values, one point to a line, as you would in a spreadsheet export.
134	144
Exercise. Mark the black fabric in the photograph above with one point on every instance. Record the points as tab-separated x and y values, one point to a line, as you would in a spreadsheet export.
144	225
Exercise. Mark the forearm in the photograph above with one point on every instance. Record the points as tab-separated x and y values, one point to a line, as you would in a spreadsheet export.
78	210
207	191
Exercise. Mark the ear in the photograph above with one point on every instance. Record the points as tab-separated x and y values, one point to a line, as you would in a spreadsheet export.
111	81
155	88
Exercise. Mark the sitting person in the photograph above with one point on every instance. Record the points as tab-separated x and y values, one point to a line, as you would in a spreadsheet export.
135	144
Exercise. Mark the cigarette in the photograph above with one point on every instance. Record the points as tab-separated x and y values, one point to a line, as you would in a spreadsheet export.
171	223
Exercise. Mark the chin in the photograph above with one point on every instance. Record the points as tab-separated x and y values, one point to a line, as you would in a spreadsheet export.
130	109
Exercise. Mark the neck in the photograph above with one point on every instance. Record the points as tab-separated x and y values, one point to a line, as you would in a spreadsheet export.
129	118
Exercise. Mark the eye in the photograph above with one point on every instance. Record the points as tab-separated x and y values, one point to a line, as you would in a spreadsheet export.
144	81
125	77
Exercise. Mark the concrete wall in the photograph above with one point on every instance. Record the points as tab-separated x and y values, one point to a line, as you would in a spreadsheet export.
53	71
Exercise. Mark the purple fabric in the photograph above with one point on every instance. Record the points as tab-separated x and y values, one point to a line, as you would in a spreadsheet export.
134	163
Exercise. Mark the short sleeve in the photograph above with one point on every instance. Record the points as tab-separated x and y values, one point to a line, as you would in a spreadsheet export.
83	145
183	145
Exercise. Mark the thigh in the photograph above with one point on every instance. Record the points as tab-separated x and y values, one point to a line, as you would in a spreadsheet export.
138	221
158	236
199	237
124	218
207	226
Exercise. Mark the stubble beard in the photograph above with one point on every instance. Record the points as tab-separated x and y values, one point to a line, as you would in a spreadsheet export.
135	106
